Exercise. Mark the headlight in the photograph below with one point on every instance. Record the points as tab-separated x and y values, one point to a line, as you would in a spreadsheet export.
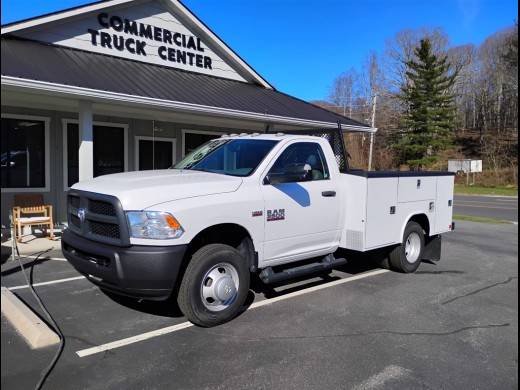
154	225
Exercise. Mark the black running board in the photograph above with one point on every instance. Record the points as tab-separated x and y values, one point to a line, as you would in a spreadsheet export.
268	276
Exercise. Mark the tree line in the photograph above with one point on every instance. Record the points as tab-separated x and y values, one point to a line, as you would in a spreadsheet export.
435	101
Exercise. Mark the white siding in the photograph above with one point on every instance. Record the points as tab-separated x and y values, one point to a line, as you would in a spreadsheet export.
75	33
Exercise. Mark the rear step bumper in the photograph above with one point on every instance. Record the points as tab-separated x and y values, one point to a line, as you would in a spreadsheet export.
268	276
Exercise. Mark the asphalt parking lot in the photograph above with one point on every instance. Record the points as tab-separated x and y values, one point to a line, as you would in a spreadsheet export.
451	325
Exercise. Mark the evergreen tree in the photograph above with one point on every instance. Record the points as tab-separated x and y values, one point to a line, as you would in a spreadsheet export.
431	110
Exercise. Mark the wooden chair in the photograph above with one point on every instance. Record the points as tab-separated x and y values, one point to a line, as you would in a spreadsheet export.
29	210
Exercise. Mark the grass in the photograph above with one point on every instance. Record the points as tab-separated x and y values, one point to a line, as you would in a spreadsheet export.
478	219
482	190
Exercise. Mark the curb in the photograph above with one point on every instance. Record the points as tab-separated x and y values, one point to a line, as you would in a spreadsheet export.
35	331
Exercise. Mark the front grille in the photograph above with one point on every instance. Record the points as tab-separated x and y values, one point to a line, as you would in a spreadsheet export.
97	217
75	221
102	208
105	229
74	201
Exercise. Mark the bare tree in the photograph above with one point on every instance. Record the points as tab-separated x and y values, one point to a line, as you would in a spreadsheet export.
498	88
465	62
343	93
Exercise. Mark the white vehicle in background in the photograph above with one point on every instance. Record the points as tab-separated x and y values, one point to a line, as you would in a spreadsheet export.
276	205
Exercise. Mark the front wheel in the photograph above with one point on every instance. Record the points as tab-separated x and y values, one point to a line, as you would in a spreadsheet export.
407	257
215	285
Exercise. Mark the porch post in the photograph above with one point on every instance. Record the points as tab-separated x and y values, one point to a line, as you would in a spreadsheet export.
86	145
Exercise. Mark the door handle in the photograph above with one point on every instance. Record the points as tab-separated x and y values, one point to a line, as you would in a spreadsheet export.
328	193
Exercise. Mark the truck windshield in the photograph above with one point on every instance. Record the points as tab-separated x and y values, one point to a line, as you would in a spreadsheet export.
235	157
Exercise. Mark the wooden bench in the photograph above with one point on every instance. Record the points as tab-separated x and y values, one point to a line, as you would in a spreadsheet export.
30	210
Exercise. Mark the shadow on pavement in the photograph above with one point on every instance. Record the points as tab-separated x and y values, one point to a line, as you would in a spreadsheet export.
164	308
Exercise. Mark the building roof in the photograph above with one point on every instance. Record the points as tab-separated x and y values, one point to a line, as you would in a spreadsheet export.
174	7
32	64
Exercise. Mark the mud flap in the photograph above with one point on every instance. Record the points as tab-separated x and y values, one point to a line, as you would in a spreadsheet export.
432	248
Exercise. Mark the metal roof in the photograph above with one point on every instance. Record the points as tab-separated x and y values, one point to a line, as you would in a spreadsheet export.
41	62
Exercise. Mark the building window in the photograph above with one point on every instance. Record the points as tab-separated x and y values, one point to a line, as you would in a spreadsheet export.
192	139
109	150
155	153
24	153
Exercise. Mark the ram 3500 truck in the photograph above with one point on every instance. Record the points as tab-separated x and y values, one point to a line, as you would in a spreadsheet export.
277	205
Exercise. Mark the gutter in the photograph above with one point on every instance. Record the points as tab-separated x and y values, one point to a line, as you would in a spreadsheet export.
82	93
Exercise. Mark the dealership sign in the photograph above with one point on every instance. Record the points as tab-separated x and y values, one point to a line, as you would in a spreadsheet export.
173	46
144	32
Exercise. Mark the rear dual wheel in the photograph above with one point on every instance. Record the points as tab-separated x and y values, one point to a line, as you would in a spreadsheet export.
215	285
407	257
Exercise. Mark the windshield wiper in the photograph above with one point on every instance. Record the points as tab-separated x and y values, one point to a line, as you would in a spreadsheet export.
208	170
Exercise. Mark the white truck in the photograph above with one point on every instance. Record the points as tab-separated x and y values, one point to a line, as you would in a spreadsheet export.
276	205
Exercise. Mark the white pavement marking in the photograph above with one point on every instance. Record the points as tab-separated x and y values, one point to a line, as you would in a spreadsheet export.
316	288
43	258
184	325
134	339
46	283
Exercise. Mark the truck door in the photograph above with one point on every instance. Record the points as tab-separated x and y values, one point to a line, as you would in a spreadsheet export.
301	218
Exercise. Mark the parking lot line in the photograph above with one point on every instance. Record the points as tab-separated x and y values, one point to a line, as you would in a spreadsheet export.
316	288
39	257
46	283
133	339
184	325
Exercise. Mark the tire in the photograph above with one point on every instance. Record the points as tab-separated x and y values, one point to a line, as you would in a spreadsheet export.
407	257
215	285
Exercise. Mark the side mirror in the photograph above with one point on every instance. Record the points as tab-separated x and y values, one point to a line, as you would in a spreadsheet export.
293	173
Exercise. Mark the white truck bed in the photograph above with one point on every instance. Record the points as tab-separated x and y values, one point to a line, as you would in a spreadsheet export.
380	203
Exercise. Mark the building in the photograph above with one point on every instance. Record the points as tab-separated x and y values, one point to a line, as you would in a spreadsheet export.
124	85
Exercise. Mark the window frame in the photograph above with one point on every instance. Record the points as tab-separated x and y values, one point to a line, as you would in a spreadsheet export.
66	122
138	138
47	143
296	144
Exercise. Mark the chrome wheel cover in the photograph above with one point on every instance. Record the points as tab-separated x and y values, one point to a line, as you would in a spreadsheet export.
219	287
412	247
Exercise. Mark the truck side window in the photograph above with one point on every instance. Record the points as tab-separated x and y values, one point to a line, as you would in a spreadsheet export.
303	153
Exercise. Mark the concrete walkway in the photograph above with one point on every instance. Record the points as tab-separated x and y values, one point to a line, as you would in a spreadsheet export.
32	246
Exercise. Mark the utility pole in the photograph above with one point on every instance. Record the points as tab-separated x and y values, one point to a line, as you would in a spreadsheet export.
372	134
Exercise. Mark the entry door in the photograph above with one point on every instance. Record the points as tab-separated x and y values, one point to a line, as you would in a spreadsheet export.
301	219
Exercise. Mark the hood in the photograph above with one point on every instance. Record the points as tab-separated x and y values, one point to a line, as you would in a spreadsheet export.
144	189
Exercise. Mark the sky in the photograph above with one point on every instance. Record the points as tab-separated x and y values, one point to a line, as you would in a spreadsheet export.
301	46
